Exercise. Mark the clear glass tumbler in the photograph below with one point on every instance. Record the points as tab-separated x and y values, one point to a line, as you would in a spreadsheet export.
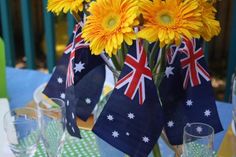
234	101
22	129
198	140
52	125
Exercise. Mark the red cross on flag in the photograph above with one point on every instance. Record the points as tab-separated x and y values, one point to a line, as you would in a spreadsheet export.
136	78
191	63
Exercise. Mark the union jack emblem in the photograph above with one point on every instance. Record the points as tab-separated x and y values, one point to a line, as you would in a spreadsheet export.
77	43
190	62
136	78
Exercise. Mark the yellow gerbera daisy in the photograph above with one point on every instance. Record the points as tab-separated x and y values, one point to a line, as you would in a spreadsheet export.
111	22
57	6
210	25
170	20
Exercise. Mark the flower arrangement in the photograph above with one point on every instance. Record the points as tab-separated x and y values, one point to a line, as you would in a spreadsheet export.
112	26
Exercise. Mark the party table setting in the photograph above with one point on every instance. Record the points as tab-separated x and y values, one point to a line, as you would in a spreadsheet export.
132	81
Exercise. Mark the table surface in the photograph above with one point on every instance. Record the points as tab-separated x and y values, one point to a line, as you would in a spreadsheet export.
22	83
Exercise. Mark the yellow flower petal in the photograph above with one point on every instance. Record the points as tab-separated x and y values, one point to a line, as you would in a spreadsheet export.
170	20
210	25
109	24
65	6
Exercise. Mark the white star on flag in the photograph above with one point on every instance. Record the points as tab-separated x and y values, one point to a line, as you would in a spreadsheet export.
127	133
169	71
170	124
146	139
115	134
199	129
59	80
63	96
131	116
110	117
79	67
189	103
88	101
207	113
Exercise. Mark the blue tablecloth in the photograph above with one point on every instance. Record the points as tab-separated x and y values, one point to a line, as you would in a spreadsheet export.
22	83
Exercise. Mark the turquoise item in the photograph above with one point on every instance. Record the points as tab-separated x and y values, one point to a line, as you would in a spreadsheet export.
50	37
28	33
7	32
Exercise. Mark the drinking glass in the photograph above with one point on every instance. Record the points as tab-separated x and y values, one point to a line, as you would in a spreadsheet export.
234	100
234	92
22	130
198	140
52	125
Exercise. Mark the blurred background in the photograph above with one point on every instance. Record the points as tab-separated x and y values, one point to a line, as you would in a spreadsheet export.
46	36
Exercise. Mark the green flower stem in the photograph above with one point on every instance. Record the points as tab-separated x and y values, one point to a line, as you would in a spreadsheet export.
159	69
124	50
116	62
119	59
153	54
159	73
156	150
120	56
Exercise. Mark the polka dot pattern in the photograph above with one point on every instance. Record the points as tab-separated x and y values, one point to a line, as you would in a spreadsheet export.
74	147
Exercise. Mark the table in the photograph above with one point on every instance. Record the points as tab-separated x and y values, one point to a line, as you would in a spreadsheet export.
22	83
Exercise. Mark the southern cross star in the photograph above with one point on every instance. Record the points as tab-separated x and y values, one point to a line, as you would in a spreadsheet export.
63	96
170	124
145	139
59	80
88	101
199	129
110	117
115	134
189	102
131	116
207	113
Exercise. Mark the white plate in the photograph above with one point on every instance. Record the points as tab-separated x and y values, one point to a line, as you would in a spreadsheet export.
38	95
233	128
